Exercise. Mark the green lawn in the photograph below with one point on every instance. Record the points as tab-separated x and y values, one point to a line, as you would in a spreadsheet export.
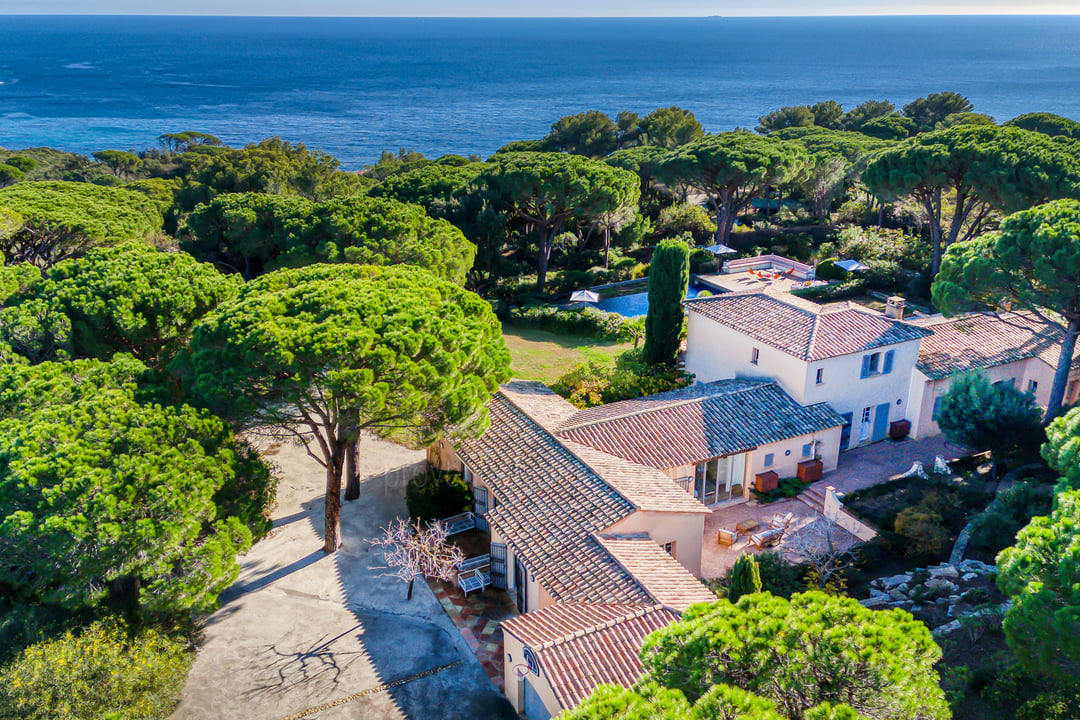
546	356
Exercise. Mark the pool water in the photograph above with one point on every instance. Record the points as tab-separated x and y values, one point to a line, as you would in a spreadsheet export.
637	304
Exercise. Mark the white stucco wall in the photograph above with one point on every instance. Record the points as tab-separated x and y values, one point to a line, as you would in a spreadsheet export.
847	391
513	662
716	352
686	530
784	465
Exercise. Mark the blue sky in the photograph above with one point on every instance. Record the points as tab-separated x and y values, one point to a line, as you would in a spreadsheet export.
546	8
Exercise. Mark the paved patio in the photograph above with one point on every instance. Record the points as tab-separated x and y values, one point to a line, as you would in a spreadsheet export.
858	468
479	614
874	464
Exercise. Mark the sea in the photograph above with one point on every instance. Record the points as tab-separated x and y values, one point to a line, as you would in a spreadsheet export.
354	87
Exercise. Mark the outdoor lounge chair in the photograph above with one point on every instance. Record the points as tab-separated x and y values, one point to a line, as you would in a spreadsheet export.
780	522
726	537
767	538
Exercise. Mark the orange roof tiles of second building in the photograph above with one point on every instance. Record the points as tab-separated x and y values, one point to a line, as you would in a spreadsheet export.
983	341
586	657
804	329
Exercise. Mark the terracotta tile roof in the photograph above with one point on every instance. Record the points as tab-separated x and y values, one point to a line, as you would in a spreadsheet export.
585	658
549	505
558	622
661	575
802	328
981	341
688	426
647	488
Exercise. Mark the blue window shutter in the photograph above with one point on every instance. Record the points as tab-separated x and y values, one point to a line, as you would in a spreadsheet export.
866	366
888	362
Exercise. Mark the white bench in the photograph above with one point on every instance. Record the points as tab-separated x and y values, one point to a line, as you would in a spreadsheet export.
457	523
474	573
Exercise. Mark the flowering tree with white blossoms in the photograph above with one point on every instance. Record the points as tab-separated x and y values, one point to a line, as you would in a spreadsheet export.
413	550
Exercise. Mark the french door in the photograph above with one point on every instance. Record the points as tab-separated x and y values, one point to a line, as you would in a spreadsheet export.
719	479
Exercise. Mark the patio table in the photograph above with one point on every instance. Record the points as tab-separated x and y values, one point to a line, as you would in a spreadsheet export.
747	526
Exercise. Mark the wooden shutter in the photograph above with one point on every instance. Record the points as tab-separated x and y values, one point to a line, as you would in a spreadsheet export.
888	362
866	366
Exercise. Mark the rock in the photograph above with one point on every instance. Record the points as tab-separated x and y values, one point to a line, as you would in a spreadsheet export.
894	580
903	587
946	629
897	596
951	611
968	577
875	593
942	601
941	584
875	601
944	571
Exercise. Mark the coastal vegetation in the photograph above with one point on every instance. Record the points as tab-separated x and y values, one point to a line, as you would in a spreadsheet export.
162	309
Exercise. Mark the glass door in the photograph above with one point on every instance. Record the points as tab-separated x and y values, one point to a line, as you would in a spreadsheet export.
719	479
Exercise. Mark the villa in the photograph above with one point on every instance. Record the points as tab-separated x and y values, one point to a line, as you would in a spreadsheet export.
596	517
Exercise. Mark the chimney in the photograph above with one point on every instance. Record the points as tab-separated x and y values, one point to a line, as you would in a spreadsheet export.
894	308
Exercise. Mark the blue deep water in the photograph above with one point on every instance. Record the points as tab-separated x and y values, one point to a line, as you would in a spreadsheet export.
356	86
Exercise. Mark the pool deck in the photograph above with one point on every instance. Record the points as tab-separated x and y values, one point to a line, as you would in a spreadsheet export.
745	281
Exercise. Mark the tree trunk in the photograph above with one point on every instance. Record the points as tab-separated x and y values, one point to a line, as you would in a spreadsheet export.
544	247
332	519
408	596
1061	373
352	472
607	245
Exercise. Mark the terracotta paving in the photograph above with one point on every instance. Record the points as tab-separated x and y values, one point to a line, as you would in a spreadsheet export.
478	614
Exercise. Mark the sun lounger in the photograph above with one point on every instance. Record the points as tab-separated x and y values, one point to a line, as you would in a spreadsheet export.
767	538
457	523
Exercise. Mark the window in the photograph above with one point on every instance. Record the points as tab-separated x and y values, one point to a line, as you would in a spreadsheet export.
866	414
937	406
754	356
669	548
1033	386
820	375
768	459
808	449
876	364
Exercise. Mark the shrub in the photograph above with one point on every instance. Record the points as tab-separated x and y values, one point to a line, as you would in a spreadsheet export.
996	528
923	529
787	488
99	673
834	291
582	321
591	384
873	245
745	578
828	270
778	576
438	494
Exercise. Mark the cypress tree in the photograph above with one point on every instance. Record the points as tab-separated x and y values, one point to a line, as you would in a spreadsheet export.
745	578
669	274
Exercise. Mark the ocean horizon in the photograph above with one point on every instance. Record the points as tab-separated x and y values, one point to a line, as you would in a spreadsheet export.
356	86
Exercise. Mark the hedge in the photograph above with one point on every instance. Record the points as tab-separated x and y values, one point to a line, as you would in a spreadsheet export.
580	321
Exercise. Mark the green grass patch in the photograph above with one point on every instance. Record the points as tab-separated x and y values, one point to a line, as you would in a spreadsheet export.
547	356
